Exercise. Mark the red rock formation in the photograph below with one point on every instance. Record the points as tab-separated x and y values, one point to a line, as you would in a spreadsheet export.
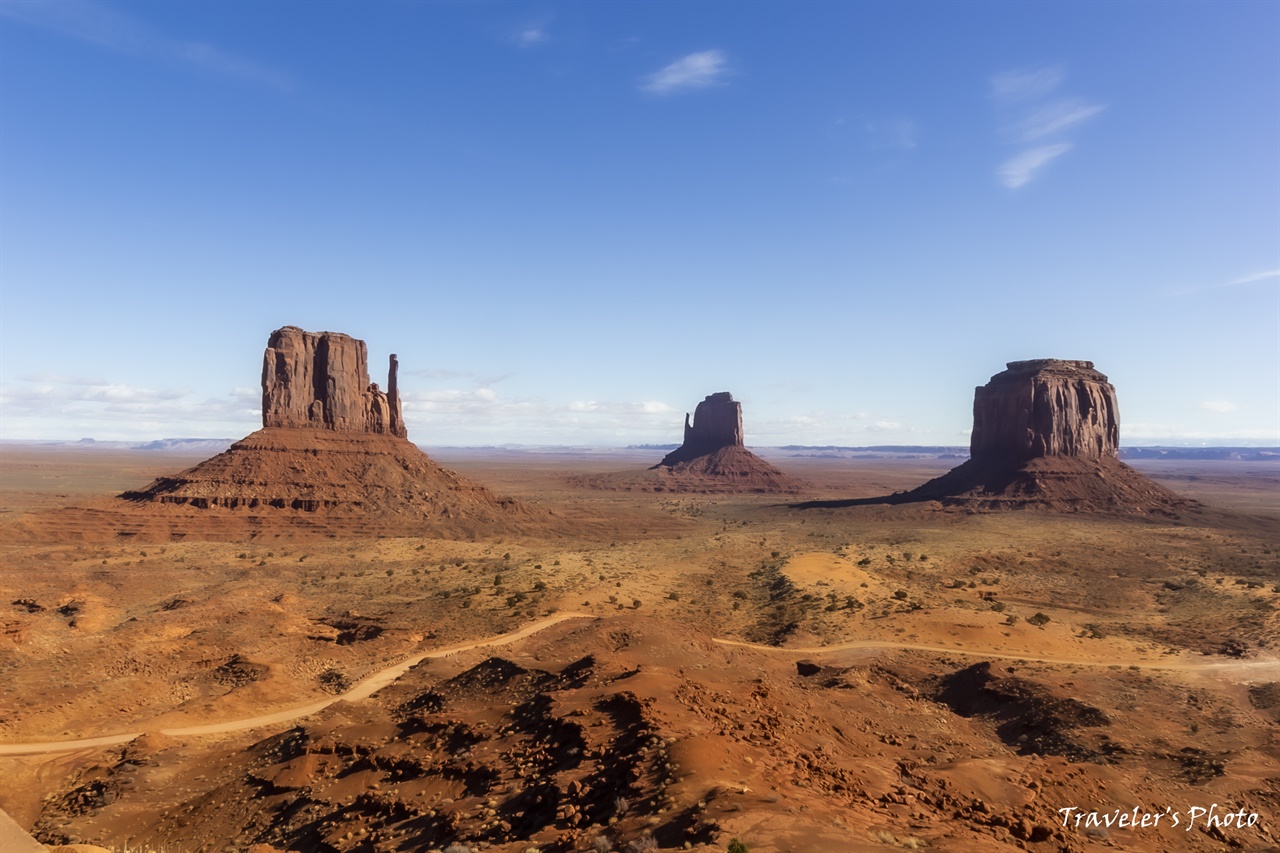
332	446
321	381
1045	407
713	457
717	423
1046	434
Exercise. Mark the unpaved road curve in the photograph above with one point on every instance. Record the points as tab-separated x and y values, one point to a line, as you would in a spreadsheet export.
1264	670
1254	670
362	690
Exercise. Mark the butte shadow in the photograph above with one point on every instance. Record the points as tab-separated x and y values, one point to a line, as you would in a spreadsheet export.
1045	437
712	460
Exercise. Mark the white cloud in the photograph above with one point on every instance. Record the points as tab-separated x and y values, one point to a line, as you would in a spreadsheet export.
1022	84
530	36
101	24
1020	170
1028	115
1223	406
695	71
897	132
1250	279
1055	118
61	406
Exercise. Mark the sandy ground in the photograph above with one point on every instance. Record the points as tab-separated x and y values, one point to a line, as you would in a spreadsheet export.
1167	628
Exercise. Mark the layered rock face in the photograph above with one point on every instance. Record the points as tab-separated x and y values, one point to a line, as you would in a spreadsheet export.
1045	435
1046	407
321	381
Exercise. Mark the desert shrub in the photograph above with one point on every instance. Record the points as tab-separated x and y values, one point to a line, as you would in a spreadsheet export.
736	846
539	585
865	561
673	596
457	848
642	845
901	595
1037	620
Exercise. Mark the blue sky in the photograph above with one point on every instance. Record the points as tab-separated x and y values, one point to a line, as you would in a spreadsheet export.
572	221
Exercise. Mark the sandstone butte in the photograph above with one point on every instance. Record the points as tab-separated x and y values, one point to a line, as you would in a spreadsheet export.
1046	434
332	458
714	456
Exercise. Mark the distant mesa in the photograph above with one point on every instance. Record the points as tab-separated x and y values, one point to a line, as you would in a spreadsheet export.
712	460
332	456
1046	433
717	424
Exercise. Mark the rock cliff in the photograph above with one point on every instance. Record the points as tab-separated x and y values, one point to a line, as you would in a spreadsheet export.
331	456
717	423
321	381
713	457
1046	434
1046	407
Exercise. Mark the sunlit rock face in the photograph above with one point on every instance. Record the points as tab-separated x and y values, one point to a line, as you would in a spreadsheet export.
321	381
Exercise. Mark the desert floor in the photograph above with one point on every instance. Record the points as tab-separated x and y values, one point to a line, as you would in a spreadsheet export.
688	670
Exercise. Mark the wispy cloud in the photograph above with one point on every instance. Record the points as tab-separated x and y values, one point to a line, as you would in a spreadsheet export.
1253	278
1056	117
103	25
1220	406
897	132
1026	84
695	71
1250	279
530	35
1021	169
1030	113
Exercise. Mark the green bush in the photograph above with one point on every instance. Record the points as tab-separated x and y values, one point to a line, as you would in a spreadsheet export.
736	846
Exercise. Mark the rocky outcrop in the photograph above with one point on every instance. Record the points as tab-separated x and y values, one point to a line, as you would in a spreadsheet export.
1046	407
332	456
711	459
1046	434
321	381
717	423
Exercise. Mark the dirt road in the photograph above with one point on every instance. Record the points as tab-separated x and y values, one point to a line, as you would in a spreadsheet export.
1249	671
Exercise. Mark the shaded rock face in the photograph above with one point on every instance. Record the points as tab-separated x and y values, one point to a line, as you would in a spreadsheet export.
321	381
1046	407
717	423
